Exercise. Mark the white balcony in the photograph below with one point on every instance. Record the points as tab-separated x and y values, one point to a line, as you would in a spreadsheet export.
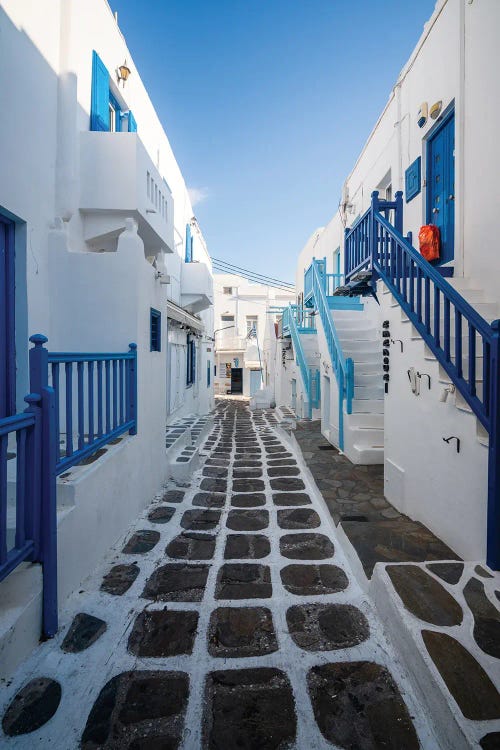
230	344
118	179
196	287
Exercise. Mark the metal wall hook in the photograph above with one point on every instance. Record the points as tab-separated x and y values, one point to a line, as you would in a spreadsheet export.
425	375
453	437
397	341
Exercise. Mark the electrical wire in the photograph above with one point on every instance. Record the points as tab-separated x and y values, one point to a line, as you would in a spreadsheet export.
253	273
249	277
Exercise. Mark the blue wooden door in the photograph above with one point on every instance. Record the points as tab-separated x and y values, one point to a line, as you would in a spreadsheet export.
7	341
255	381
441	185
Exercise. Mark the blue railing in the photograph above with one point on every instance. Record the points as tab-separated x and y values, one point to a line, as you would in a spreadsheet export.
28	526
342	367
308	278
449	325
96	401
105	402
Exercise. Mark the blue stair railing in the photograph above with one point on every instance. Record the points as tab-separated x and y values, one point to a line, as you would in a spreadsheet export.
343	367
453	330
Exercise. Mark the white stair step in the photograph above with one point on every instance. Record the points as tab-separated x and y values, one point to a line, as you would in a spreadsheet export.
370	406
354	345
367	368
364	357
365	421
368	391
362	378
364	454
368	436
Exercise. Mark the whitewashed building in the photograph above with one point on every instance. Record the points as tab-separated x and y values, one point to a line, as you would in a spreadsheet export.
410	379
99	250
245	316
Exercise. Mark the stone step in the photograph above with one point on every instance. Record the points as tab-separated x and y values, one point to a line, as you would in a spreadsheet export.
369	406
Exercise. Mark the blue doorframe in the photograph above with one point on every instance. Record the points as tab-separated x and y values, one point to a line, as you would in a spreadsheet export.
7	318
440	195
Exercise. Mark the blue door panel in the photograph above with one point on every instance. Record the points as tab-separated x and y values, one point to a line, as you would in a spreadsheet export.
441	186
255	381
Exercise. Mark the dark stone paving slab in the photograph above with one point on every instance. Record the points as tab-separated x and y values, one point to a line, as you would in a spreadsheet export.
283	471
142	541
247	520
247	463
291	498
312	580
423	596
449	572
173	496
358	706
486	618
470	686
282	462
241	631
32	707
136	709
247	546
327	627
247	473
279	448
246	500
161	514
213	485
217	462
248	485
162	633
482	572
214	471
399	540
287	484
200	520
490	741
306	546
243	581
177	582
119	579
83	632
298	518
249	709
192	545
209	499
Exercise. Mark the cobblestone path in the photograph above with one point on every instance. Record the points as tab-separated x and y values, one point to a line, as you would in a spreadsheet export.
227	619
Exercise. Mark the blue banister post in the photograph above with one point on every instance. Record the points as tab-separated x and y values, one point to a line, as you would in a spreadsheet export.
39	376
398	217
493	534
373	246
347	265
33	480
133	388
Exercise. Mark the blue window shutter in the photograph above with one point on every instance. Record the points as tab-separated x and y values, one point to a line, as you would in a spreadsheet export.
132	125
193	362
99	105
189	245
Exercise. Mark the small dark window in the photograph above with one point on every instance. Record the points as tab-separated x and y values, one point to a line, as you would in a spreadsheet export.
155	342
209	372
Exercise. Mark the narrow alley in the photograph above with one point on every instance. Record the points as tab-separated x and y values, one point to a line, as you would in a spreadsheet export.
228	617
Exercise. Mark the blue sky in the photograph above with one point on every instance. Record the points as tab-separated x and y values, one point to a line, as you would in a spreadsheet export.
267	104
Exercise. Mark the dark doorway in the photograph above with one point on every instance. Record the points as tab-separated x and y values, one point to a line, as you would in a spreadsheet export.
236	380
7	325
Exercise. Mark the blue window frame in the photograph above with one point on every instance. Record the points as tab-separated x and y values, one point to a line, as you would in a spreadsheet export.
189	245
190	361
105	110
155	330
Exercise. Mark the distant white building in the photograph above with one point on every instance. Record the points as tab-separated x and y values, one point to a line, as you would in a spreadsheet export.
411	381
245	316
99	249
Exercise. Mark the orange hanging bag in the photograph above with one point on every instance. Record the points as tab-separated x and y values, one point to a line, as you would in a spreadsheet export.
429	241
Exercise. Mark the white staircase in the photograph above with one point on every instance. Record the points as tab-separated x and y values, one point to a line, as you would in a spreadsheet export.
364	428
471	291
